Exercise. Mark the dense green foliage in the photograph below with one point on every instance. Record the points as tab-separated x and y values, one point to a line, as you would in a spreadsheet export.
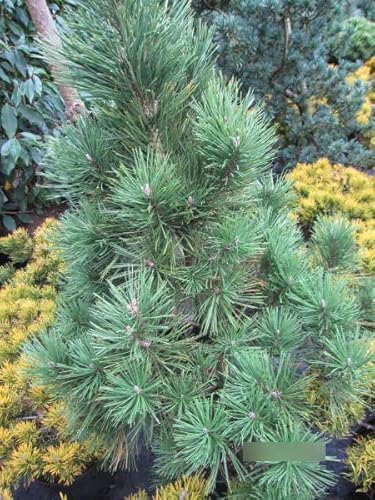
282	49
193	317
361	43
30	107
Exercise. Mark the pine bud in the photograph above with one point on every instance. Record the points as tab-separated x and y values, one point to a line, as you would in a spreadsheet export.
149	263
147	190
251	415
137	389
133	307
89	158
145	343
276	394
183	494
237	141
349	362
190	201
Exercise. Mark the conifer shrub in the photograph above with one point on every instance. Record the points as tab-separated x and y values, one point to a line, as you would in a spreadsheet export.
361	43
361	463
193	317
324	188
34	443
282	50
366	74
192	487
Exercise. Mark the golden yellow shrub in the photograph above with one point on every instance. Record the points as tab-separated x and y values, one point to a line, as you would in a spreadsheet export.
332	189
361	463
33	444
366	74
190	487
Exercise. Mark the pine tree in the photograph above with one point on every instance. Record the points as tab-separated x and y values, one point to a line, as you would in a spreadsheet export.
288	52
192	318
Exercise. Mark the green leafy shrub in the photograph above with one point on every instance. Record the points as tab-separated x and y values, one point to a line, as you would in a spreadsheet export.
193	317
30	107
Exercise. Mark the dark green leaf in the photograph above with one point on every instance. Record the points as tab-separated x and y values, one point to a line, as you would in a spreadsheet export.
4	76
23	16
28	90
25	218
8	164
31	137
16	98
11	148
17	60
9	120
33	116
9	222
37	84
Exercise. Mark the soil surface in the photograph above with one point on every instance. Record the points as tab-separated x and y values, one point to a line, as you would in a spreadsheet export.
54	211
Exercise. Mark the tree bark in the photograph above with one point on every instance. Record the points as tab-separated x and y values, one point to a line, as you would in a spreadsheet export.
45	26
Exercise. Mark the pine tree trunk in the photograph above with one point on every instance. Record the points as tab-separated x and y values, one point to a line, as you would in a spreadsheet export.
45	26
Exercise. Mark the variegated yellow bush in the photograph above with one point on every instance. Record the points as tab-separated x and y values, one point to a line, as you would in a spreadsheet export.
33	443
366	74
187	487
361	463
325	188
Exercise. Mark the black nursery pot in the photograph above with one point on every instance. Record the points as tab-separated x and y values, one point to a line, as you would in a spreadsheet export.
91	485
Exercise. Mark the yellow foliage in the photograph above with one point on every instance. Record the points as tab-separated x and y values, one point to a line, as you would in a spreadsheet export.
18	246
366	74
25	462
25	432
29	418
5	494
325	417
361	463
140	495
64	462
191	487
10	374
6	442
54	417
332	189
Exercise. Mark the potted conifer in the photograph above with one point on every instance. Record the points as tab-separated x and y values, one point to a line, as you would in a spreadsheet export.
193	317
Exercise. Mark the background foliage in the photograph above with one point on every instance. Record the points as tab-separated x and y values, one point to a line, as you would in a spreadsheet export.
30	108
282	49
